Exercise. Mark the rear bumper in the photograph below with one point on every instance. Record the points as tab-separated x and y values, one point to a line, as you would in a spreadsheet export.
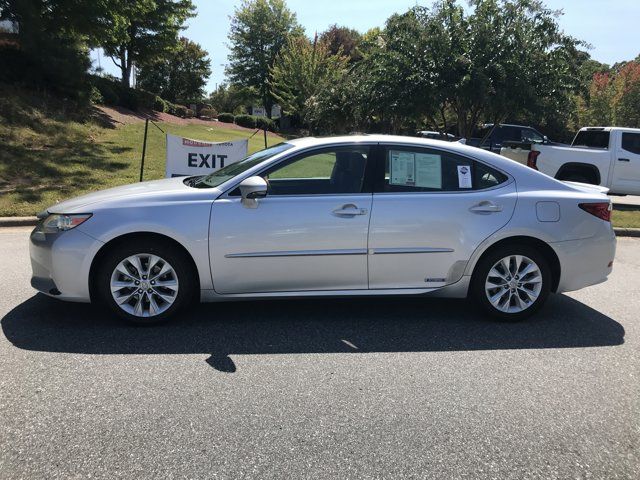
587	261
60	263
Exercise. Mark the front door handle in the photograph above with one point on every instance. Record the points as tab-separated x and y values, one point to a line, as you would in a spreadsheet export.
349	210
624	160
486	207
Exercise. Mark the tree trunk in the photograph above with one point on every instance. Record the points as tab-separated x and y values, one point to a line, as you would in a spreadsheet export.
125	67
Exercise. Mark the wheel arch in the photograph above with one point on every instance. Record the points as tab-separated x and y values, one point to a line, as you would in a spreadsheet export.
577	167
540	245
132	237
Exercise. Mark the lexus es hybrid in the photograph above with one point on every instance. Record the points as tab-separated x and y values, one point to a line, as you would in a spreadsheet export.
357	215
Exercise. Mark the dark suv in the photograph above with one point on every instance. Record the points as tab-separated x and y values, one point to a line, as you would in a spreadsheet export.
505	133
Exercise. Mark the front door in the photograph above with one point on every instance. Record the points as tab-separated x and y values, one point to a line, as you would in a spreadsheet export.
626	164
308	233
430	211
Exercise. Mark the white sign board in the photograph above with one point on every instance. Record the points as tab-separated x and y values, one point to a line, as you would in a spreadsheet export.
259	111
196	157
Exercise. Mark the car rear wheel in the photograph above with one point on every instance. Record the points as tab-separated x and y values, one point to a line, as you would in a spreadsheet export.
512	283
145	283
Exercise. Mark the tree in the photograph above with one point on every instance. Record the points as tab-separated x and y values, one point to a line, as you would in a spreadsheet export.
180	76
342	41
626	96
50	51
232	98
140	31
259	30
301	70
507	58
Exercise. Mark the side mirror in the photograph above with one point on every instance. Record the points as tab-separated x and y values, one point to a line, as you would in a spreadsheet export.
251	189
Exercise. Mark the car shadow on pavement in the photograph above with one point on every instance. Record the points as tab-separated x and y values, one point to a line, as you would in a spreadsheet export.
397	324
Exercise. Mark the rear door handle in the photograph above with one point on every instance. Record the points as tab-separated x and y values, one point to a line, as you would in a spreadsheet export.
486	207
624	160
349	210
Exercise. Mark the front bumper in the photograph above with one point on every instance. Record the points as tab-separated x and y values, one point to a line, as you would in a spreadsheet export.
60	263
585	262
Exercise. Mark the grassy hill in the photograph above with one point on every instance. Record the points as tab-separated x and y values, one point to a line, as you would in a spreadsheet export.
49	154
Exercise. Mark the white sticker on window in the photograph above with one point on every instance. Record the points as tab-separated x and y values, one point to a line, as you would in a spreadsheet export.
464	176
428	170
416	169
403	168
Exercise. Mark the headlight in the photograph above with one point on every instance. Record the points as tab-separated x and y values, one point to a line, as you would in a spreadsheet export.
59	223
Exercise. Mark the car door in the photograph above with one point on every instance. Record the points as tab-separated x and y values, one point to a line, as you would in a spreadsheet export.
308	233
431	209
626	163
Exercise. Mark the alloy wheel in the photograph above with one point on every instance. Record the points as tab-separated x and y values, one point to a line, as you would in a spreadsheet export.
513	284
144	285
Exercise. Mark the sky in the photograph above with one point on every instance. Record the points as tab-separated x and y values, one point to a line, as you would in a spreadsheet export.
612	27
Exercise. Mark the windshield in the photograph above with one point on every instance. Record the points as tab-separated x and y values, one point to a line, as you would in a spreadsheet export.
219	177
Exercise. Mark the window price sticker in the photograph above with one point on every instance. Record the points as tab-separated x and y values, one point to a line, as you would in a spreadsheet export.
464	176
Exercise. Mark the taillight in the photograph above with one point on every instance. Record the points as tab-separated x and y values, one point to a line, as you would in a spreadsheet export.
532	159
601	209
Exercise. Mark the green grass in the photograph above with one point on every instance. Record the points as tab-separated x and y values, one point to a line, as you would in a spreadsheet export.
48	156
626	218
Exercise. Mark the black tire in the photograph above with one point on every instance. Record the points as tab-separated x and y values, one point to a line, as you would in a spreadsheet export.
487	262
176	258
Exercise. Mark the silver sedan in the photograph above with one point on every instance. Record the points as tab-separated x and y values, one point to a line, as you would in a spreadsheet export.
358	215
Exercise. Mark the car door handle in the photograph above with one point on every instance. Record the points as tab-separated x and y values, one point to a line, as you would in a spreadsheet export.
624	160
349	210
486	207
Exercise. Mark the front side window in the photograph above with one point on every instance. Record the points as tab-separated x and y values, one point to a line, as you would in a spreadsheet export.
426	170
338	170
631	142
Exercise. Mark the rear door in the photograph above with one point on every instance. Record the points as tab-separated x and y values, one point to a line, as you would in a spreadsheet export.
626	163
431	209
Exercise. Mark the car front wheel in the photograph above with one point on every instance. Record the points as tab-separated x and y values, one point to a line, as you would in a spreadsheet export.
144	283
512	283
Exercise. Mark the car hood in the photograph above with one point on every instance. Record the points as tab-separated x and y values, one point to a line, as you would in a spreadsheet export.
165	189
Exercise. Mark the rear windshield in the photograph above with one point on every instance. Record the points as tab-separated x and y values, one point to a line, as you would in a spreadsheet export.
591	139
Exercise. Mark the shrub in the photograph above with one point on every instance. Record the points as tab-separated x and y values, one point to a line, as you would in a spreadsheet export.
181	111
208	113
171	107
95	97
160	105
248	121
265	123
226	117
190	113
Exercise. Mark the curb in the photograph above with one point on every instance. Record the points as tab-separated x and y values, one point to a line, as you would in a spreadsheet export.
18	221
31	222
627	232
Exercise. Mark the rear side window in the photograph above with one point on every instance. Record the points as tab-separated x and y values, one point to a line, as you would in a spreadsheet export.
426	170
592	139
631	142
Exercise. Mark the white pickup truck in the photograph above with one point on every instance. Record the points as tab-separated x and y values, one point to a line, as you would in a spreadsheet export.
607	156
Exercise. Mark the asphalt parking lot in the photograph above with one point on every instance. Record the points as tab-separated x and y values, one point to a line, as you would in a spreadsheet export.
379	388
